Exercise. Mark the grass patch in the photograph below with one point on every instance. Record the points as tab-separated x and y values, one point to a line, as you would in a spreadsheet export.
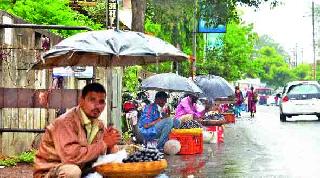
24	157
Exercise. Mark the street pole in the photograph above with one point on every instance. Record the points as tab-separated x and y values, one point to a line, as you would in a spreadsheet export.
314	46
194	41
112	7
296	62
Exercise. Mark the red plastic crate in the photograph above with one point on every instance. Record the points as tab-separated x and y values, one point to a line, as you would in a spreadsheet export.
190	144
229	117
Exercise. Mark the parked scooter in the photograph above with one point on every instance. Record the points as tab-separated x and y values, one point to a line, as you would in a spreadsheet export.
133	109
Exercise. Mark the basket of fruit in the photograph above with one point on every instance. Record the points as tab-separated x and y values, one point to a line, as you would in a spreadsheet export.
145	162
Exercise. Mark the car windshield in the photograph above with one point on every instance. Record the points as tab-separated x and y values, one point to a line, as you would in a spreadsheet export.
263	91
303	89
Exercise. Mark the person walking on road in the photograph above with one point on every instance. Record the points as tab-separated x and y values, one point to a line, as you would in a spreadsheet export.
252	100
238	102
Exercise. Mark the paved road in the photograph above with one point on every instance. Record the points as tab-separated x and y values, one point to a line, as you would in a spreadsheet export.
258	147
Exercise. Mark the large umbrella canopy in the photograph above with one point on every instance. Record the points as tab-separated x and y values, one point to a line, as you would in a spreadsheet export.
170	82
109	48
214	86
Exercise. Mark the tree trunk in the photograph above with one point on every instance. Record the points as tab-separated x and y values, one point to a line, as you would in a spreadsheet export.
138	15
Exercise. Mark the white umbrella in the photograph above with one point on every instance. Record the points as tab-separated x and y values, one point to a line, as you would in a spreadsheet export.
170	82
109	48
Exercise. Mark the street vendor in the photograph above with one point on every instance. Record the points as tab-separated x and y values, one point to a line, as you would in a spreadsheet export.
187	109
75	139
155	124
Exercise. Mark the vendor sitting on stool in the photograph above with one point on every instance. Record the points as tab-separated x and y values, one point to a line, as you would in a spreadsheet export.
188	110
154	124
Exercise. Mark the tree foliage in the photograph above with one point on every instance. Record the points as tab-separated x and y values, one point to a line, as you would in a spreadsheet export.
302	72
175	26
273	68
232	60
130	79
265	40
51	12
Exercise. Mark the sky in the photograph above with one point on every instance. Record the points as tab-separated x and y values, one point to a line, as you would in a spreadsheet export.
289	24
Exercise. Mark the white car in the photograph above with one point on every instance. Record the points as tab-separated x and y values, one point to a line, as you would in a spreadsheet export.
300	98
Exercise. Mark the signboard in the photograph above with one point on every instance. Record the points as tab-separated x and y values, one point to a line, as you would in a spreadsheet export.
112	13
214	40
213	16
75	71
203	27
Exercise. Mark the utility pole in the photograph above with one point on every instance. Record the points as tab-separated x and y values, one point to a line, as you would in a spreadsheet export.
112	16
194	41
296	55
314	46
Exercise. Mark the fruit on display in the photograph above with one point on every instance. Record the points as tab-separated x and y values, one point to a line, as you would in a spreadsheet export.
213	116
190	124
172	147
144	154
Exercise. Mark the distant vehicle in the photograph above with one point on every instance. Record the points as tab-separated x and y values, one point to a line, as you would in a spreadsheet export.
273	100
263	94
300	98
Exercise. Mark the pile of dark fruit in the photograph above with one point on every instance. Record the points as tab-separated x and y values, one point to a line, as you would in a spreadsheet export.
190	124
145	154
213	116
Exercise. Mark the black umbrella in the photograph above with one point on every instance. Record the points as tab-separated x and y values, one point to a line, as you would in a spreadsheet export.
214	86
170	82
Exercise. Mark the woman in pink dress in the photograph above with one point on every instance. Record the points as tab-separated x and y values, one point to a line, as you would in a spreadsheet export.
252	100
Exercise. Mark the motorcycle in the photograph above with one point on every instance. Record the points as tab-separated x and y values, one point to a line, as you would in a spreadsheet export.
132	109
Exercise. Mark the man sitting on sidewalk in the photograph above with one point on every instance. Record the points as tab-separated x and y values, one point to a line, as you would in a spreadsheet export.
154	124
75	139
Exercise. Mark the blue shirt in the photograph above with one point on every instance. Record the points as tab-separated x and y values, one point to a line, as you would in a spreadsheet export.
149	114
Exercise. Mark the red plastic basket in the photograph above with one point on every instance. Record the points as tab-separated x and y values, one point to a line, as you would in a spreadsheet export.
229	117
219	131
190	144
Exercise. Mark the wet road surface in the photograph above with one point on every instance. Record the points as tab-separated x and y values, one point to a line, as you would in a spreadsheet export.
258	147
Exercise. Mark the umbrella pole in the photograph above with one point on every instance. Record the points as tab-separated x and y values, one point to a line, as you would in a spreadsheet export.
109	95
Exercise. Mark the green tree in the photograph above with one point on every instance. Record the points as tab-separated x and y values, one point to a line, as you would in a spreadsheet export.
302	72
6	4
130	78
281	76
265	40
232	60
174	26
52	12
273	69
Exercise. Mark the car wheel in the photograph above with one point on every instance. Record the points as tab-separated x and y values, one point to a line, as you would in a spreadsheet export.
283	117
318	117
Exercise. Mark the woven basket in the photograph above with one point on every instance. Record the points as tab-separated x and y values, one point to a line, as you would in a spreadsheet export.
213	122
135	169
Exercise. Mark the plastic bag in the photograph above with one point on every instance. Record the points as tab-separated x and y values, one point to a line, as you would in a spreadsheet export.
148	133
111	158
